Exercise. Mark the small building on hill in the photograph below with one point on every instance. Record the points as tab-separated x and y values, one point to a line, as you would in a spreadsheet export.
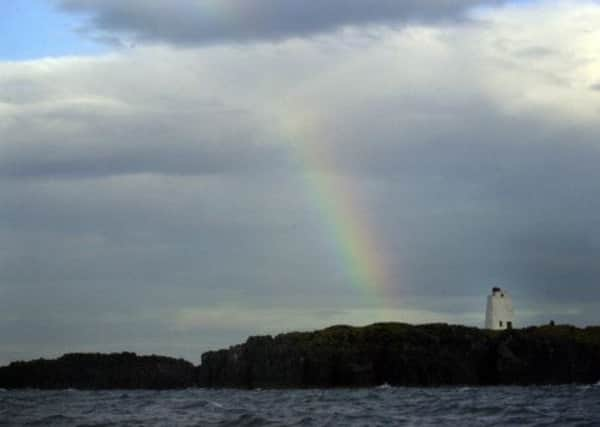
499	312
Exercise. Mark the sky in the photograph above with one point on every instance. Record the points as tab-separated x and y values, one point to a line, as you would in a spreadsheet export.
177	175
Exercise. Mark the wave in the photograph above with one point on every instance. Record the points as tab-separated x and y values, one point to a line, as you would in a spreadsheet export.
196	404
217	404
248	420
529	406
53	419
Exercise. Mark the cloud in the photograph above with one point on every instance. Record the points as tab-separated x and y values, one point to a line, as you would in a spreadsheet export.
192	22
176	200
102	130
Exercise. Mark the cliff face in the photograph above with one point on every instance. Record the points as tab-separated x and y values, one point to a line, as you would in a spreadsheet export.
341	356
400	354
99	371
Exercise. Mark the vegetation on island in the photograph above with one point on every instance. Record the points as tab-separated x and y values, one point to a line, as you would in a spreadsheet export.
342	356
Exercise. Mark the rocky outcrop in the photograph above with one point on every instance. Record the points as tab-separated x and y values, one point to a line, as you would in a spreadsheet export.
401	354
341	356
99	371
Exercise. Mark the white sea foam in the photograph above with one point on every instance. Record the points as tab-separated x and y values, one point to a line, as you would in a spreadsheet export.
217	404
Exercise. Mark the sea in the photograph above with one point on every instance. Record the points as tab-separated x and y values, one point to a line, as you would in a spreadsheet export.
569	405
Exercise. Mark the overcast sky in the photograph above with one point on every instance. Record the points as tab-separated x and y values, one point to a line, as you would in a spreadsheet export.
176	175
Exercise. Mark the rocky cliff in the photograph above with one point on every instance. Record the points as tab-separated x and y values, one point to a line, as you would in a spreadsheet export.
401	354
341	356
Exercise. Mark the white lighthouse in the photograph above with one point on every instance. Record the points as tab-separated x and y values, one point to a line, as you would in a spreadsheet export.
499	312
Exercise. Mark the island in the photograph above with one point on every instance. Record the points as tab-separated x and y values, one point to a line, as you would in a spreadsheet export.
397	354
92	371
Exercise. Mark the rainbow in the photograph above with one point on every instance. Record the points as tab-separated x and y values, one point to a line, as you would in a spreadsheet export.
345	220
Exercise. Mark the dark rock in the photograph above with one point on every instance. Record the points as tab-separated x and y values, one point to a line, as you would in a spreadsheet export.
341	356
401	354
99	371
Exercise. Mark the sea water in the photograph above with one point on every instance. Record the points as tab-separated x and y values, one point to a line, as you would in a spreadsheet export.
571	405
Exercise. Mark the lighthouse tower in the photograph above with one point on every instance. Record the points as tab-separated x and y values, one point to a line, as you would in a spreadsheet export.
499	313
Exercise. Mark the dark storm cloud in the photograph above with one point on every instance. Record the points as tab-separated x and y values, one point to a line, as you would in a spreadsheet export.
191	157
508	213
171	200
150	143
191	22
